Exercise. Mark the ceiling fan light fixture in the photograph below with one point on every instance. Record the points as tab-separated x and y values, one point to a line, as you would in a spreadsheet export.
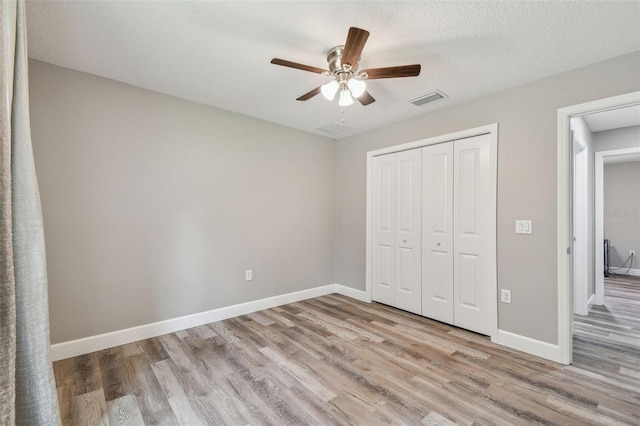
357	87
344	64
329	90
345	98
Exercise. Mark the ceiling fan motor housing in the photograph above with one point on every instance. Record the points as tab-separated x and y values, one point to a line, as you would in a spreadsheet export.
336	67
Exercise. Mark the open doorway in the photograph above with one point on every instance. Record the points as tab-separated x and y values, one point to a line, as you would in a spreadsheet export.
617	209
604	141
606	226
571	157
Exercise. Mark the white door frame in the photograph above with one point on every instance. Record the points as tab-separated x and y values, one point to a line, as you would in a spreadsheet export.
564	219
580	227
491	129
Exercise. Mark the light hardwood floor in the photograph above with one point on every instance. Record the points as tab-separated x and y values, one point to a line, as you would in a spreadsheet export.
607	341
334	360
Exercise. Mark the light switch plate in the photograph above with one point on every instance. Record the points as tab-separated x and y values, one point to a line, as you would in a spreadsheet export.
524	227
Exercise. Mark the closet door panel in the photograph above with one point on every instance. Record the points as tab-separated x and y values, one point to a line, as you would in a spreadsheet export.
474	286
384	229
437	235
408	230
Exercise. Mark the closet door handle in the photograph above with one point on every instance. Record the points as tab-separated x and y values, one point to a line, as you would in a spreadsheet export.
404	241
437	244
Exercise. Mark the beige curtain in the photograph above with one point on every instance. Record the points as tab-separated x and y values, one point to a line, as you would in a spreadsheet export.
27	387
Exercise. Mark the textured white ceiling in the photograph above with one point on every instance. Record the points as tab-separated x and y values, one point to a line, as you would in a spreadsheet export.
218	53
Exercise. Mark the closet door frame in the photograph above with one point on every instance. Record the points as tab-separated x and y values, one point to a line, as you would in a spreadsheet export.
492	130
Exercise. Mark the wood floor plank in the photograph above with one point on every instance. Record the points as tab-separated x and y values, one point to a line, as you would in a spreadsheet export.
315	411
223	400
89	377
202	332
124	411
254	408
358	411
132	349
90	409
116	379
205	357
64	372
152	401
345	379
305	378
277	317
65	401
435	419
335	360
358	331
175	394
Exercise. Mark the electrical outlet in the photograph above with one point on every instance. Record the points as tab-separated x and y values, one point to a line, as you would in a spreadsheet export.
632	253
248	275
505	296
524	227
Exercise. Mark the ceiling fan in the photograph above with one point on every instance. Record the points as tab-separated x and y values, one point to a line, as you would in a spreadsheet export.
347	78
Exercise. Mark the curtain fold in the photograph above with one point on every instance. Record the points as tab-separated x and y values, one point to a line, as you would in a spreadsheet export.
27	386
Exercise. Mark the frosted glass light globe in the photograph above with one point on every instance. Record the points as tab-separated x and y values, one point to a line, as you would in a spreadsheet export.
345	98
329	90
357	87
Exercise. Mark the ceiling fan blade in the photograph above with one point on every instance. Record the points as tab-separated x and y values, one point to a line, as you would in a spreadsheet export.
394	72
296	65
356	39
309	94
366	99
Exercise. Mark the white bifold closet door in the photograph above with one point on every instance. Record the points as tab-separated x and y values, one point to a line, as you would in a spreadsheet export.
437	235
474	239
396	230
458	285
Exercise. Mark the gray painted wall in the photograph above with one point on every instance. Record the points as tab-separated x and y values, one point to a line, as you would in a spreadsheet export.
626	137
621	202
155	206
527	118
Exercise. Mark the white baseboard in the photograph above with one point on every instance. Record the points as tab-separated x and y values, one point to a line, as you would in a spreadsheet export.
121	337
530	346
623	271
591	302
352	293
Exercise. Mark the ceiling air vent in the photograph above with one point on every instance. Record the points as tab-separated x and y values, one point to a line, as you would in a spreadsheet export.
432	96
332	128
